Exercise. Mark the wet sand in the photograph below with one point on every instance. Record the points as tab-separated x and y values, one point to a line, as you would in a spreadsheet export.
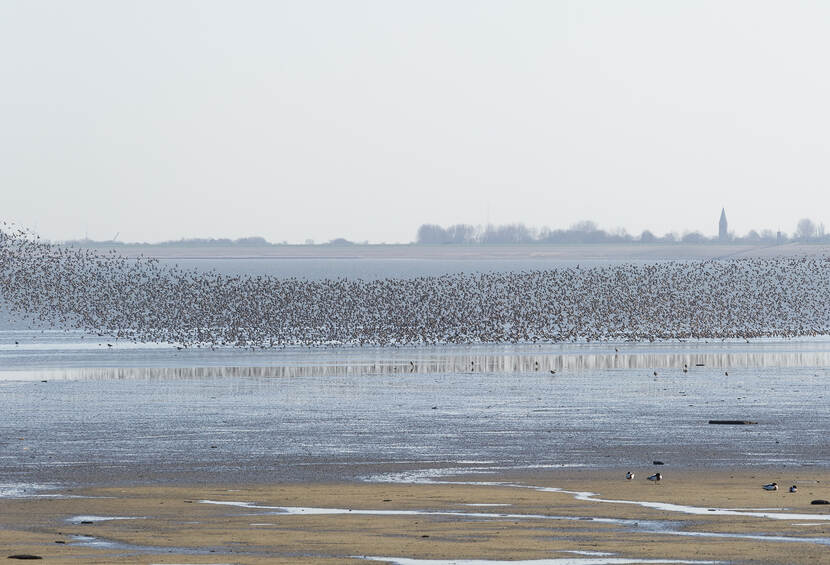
721	516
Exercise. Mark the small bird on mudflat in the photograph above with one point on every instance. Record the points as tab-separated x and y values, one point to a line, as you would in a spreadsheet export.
771	486
656	477
629	475
793	488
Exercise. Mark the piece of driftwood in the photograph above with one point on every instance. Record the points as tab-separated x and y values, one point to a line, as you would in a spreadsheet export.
732	422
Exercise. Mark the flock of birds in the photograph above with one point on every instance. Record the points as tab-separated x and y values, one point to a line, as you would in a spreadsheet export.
774	486
142	300
656	477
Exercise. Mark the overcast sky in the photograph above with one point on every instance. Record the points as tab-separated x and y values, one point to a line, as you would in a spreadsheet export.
364	119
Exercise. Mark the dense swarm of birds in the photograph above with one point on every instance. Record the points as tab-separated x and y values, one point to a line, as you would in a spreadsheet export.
142	300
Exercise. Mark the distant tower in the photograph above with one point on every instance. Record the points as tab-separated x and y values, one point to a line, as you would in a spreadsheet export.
723	235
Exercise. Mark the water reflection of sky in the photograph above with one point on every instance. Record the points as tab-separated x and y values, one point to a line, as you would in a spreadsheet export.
68	355
336	413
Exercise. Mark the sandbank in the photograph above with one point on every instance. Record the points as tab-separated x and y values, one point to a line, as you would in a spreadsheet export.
715	516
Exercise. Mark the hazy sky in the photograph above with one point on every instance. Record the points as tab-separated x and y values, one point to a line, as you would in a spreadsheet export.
365	119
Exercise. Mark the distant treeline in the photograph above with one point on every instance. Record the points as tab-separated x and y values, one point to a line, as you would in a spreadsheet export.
589	232
582	232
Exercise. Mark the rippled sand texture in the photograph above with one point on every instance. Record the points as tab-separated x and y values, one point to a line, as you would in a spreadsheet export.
711	517
140	299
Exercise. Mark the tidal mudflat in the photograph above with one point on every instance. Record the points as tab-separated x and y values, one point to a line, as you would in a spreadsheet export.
152	454
353	414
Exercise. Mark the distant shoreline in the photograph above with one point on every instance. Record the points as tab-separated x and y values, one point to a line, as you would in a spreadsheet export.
539	251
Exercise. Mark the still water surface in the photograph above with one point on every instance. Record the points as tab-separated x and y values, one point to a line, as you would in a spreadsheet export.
333	414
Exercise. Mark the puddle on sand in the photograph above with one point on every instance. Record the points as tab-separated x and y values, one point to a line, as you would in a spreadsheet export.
34	490
683	509
26	490
314	511
101	543
76	519
651	526
587	496
757	537
555	561
89	541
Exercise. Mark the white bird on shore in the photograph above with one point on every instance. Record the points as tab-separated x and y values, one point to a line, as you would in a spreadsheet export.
771	486
629	475
656	477
793	488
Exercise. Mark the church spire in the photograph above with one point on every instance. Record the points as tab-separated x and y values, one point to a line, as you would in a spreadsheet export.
723	234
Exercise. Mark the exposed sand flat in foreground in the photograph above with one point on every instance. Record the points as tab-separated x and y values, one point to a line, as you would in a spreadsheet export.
720	516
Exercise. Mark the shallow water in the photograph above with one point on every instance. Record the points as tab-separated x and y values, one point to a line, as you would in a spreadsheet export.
127	413
555	561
